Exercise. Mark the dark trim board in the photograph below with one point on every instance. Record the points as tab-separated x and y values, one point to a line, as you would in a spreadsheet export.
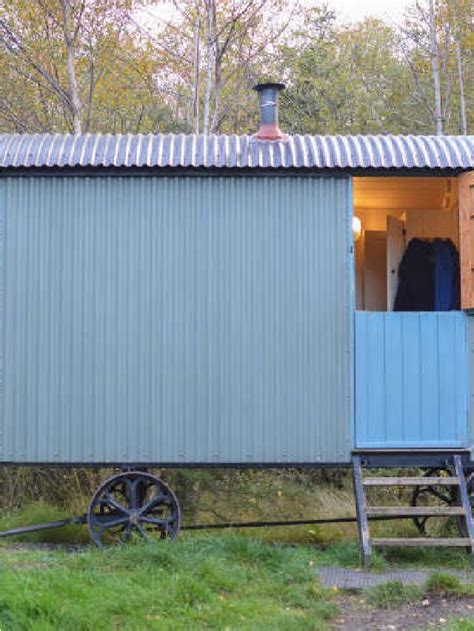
111	171
178	465
411	457
369	457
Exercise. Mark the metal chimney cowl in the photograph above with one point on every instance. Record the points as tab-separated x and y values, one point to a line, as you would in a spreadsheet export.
268	97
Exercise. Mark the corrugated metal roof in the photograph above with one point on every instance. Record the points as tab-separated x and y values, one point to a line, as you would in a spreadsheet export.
220	151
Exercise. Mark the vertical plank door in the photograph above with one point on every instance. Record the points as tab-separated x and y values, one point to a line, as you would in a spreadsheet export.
412	379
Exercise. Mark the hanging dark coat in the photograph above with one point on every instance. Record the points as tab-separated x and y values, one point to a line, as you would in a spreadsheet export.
428	277
416	278
447	286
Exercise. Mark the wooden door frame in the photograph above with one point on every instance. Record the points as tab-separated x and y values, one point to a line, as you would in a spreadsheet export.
466	237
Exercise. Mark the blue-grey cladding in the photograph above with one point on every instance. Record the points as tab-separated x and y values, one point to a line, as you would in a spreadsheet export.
175	320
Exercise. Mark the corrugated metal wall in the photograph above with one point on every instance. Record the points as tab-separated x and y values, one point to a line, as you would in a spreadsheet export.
412	380
174	320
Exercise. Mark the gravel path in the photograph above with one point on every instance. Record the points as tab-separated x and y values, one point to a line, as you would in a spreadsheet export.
431	613
343	578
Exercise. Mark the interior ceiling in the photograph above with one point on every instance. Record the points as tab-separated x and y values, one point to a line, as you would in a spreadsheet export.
404	193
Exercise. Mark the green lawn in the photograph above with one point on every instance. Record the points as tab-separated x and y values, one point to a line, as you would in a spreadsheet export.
460	625
226	582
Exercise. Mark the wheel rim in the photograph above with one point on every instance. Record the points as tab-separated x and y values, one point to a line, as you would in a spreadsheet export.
427	495
133	504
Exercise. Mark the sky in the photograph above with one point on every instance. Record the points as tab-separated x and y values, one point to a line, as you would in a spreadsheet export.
353	10
347	10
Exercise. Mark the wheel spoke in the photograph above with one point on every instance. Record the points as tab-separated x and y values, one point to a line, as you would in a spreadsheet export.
441	496
426	495
142	531
158	499
109	521
126	532
109	501
134	493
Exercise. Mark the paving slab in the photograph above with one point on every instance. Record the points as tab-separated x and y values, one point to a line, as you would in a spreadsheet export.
343	578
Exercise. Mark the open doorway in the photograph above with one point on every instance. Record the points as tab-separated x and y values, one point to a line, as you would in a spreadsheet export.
406	243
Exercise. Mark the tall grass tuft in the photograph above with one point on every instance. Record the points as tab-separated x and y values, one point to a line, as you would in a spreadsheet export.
393	594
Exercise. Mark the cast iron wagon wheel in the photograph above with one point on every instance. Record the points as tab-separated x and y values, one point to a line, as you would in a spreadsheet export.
426	496
133	503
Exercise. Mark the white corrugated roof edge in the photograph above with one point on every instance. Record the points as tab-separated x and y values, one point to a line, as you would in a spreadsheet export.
236	152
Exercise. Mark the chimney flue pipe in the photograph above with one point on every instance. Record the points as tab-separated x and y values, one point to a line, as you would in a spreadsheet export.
268	97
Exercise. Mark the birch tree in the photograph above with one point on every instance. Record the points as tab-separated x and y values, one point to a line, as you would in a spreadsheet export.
438	46
345	80
222	48
35	34
196	66
459	70
70	38
460	13
435	65
211	61
77	65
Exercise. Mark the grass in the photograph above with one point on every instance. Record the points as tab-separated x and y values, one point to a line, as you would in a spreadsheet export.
460	625
237	580
422	558
38	513
392	594
341	550
443	584
226	582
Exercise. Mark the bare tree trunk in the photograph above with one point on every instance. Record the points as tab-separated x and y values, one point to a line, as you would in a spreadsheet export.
444	58
196	64
435	67
217	95
459	68
210	45
71	69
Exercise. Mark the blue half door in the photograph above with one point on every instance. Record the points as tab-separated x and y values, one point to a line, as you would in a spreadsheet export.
411	380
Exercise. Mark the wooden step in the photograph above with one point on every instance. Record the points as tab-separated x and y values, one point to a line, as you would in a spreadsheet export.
424	541
423	481
414	511
395	512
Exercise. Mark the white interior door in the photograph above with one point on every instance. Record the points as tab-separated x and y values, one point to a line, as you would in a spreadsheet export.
375	274
396	246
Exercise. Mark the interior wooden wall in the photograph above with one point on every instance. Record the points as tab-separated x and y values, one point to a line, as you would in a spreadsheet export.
395	193
429	224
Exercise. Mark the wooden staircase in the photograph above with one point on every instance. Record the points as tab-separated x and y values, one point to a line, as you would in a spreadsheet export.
364	512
